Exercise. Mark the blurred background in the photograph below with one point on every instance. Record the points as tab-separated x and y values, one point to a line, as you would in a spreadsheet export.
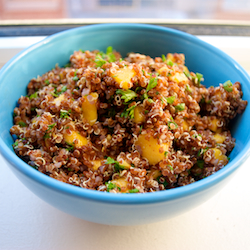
167	9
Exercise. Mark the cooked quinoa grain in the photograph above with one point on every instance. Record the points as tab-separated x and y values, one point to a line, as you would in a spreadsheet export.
131	125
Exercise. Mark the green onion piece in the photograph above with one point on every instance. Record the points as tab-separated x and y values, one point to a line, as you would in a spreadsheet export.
32	96
163	57
170	63
170	99
228	86
170	127
180	107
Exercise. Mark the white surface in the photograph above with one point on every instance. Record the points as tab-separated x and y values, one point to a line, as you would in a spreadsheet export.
223	222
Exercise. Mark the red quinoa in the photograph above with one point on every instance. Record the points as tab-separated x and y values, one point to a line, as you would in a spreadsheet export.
125	125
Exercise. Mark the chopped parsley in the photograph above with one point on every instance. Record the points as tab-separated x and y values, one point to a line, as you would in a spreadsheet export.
102	58
51	126
162	180
57	93
135	190
129	112
110	185
15	144
200	164
47	82
228	86
70	147
22	124
152	83
180	107
126	95
117	165
34	95
65	113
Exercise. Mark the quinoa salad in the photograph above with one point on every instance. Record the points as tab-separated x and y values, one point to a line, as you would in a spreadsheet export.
125	125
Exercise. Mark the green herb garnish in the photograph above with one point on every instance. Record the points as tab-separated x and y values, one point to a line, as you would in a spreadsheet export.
228	86
22	124
47	82
170	63
126	95
117	165
180	107
170	99
65	113
110	186
32	96
162	180
163	57
152	83
200	164
135	190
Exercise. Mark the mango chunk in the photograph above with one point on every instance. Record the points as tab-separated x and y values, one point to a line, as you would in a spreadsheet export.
96	164
219	138
213	125
139	116
179	77
163	70
125	164
122	183
89	109
219	156
57	101
150	149
185	126
123	76
75	138
156	173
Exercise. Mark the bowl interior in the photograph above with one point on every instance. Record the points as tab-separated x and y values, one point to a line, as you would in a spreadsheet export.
216	67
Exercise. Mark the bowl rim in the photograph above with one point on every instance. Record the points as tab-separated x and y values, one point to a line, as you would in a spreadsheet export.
105	197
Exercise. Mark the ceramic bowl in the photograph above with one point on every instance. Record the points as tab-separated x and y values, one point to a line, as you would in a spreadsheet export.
108	208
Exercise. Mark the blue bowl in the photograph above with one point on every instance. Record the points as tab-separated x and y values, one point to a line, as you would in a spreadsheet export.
108	208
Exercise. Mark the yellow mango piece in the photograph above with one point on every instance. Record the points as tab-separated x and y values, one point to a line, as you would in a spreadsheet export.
121	183
89	109
219	138
123	76
57	101
75	138
156	174
170	57
219	156
163	69
151	149
96	164
213	126
185	126
125	164
179	77
139	116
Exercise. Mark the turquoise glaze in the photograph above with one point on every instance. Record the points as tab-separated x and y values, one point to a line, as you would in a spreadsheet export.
108	208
